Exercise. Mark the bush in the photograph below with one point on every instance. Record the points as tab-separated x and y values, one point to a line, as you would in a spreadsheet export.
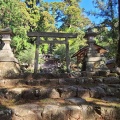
27	56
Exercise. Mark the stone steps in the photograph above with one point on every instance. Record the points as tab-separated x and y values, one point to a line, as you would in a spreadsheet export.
60	81
74	81
55	98
62	91
82	87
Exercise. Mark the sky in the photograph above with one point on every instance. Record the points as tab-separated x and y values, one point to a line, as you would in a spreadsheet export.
87	5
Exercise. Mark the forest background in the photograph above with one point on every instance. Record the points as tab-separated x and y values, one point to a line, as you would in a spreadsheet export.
66	16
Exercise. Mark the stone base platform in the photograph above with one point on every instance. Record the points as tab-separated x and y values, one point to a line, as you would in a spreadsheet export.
9	69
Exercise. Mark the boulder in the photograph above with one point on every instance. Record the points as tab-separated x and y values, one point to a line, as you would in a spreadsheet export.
83	93
111	80
14	93
31	94
87	112
25	112
110	113
98	79
97	92
54	94
84	80
67	92
5	114
9	82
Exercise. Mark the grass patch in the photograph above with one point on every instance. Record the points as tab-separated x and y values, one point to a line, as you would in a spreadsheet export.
56	101
7	103
48	101
103	102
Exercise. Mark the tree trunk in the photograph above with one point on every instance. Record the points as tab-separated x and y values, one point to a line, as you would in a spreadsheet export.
118	52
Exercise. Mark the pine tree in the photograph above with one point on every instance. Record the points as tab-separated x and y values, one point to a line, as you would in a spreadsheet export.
107	10
118	52
69	18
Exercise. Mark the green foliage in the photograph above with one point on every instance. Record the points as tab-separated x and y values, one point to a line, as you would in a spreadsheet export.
44	48
41	19
69	14
60	50
108	28
27	56
37	15
46	22
71	19
15	16
34	13
18	43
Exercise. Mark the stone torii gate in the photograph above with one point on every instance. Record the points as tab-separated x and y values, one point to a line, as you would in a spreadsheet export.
52	35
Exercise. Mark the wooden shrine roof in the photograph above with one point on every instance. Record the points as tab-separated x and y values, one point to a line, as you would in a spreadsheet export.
80	54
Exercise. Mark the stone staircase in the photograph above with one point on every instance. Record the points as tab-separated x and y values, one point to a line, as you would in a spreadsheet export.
60	97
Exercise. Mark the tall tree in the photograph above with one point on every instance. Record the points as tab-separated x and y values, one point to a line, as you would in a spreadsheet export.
40	15
41	19
33	10
47	21
69	14
107	10
69	18
15	16
118	52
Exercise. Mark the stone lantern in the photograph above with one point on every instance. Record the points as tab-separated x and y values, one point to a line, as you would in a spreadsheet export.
91	54
9	66
94	61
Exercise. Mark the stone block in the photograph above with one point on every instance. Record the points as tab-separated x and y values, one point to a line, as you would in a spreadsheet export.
62	81
23	112
70	81
9	82
6	114
14	93
84	80
32	82
111	80
83	93
67	92
98	79
53	94
94	59
9	69
49	82
103	72
30	94
110	113
97	92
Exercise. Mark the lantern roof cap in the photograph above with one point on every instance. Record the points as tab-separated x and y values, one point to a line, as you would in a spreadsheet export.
6	30
90	33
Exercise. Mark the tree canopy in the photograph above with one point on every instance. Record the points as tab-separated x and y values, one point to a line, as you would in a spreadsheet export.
65	16
107	10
